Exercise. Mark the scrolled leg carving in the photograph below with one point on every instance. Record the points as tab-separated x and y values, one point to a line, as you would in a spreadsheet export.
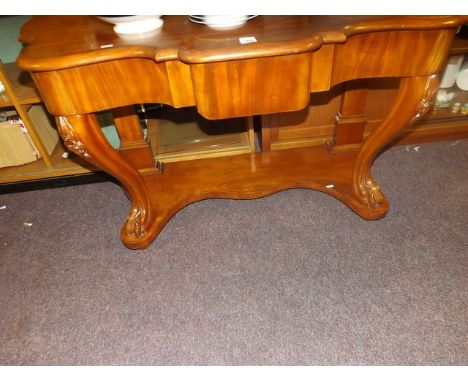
83	136
432	86
136	221
413	100
70	139
370	192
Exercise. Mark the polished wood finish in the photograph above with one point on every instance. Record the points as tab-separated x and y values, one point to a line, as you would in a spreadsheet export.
133	144
85	40
226	89
412	102
351	119
317	124
459	45
311	126
90	69
182	134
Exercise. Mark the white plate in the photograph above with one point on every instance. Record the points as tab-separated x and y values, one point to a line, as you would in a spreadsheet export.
129	25
123	19
221	21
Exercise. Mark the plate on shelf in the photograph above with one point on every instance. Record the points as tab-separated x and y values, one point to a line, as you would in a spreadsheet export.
222	21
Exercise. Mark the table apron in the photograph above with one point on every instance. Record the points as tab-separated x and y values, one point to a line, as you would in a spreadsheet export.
243	87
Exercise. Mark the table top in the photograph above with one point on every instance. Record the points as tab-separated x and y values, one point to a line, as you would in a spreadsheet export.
58	42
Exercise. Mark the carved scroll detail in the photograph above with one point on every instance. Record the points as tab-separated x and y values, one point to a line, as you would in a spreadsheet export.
70	139
432	86
135	222
370	192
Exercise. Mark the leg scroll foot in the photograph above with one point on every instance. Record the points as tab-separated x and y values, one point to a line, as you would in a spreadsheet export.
370	193
413	100
83	135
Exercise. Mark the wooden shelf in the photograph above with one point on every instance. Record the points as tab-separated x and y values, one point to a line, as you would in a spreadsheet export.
5	101
39	170
444	113
182	134
433	131
459	46
23	86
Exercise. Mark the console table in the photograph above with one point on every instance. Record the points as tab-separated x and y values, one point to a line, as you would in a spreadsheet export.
270	64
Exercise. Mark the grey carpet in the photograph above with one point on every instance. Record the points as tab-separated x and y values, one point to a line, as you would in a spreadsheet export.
291	279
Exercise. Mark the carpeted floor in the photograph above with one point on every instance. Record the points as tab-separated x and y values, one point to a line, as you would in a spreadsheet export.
291	279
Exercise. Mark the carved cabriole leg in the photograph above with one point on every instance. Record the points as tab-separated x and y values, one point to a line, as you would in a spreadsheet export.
82	135
413	100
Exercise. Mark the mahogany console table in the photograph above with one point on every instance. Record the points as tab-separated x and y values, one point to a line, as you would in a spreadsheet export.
81	66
